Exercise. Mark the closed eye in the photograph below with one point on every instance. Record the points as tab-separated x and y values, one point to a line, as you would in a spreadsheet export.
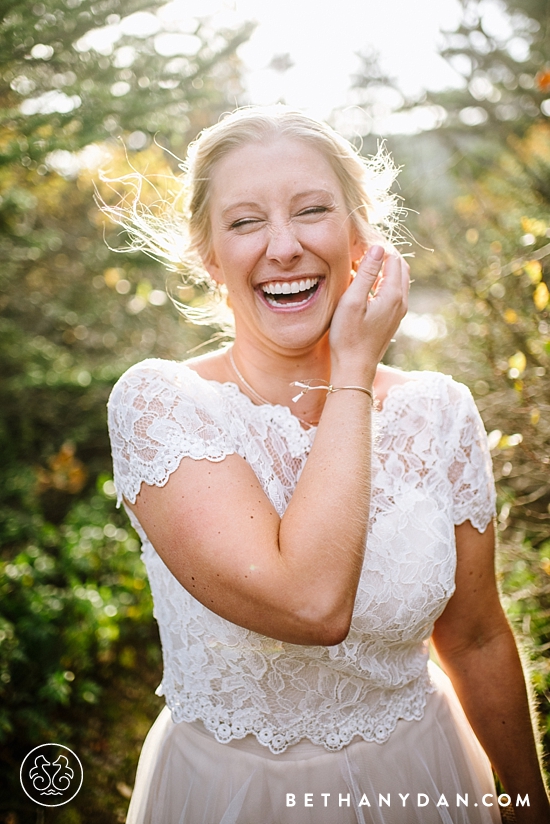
250	223
245	223
313	210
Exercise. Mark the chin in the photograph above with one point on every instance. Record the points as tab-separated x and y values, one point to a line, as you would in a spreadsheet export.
297	340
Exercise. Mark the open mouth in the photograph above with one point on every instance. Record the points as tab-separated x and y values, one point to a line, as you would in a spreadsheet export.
285	293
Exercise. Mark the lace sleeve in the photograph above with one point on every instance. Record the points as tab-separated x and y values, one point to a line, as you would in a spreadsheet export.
160	412
470	469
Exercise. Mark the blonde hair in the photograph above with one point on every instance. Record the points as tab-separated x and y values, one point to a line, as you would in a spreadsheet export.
178	231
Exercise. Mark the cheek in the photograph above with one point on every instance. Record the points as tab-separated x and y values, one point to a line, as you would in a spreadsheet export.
333	241
246	247
233	256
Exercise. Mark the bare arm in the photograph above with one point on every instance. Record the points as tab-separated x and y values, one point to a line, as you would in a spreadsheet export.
477	649
292	578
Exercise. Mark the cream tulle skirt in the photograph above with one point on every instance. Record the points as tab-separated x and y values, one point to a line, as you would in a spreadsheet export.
186	777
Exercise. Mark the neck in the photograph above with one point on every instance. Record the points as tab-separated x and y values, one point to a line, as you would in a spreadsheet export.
270	372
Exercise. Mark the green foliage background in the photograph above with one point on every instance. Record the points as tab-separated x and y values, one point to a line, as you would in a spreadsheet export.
79	653
481	185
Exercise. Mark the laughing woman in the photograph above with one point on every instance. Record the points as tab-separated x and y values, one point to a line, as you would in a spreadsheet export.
298	567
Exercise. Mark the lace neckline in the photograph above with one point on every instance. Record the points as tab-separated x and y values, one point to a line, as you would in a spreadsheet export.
286	411
390	401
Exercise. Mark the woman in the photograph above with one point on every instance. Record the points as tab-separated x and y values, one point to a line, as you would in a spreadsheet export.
297	571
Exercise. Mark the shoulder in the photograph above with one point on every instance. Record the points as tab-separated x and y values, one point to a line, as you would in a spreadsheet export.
419	387
160	412
153	370
156	391
159	379
416	400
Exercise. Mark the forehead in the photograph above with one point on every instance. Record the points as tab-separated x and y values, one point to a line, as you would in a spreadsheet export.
281	167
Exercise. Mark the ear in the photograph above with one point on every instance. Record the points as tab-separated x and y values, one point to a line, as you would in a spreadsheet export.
358	247
213	268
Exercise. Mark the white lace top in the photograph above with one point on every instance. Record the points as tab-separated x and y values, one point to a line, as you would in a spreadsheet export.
431	470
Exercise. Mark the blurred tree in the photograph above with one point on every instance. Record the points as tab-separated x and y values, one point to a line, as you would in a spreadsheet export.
489	225
491	262
480	180
70	76
77	71
491	236
75	614
501	51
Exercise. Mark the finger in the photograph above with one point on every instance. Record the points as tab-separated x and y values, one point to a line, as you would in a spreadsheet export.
389	279
369	269
389	296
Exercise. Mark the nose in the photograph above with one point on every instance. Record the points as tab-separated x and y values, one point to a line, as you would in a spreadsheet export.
283	246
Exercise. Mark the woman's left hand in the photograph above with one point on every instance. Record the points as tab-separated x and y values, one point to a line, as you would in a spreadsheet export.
369	313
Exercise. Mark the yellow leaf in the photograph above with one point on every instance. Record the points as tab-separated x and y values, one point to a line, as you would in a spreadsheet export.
541	296
67	473
518	361
144	289
112	276
542	79
534	270
535	416
533	226
510	440
510	316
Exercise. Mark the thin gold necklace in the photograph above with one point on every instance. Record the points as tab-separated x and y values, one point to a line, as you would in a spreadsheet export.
256	395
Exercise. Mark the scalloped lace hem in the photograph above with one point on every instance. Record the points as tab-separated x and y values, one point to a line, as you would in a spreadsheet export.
278	739
479	520
131	487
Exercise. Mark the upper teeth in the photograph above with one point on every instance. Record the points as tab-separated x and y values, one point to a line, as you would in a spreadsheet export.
286	288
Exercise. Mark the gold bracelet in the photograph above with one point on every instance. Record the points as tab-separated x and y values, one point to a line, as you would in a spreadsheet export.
306	386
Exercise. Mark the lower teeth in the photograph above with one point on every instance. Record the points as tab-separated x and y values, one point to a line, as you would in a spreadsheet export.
296	298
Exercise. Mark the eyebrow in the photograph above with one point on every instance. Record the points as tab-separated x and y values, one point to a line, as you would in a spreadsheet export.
238	205
252	204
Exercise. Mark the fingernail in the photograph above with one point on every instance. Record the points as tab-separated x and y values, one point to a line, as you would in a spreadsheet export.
376	252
